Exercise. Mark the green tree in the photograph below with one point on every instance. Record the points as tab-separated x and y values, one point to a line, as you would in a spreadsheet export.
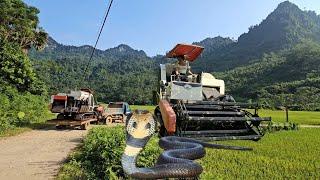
19	24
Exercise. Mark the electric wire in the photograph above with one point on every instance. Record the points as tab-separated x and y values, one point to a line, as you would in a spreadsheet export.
96	43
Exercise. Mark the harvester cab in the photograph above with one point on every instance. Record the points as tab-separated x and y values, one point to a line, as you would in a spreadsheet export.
178	82
195	105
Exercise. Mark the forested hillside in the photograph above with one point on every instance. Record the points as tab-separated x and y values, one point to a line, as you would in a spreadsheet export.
276	63
286	26
291	77
117	74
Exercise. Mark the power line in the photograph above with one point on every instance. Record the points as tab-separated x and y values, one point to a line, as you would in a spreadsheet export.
95	45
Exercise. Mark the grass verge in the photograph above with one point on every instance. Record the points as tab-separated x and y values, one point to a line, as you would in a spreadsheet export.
143	107
13	131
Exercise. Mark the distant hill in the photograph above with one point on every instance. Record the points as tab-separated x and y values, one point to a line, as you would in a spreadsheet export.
275	62
116	74
286	26
291	77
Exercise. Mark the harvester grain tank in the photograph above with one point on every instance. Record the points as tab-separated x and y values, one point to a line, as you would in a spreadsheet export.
195	105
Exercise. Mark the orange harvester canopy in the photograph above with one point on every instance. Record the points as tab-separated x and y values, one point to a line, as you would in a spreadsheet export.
188	52
60	98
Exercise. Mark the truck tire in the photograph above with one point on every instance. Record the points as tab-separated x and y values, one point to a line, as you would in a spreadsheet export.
109	120
61	126
60	116
102	121
84	126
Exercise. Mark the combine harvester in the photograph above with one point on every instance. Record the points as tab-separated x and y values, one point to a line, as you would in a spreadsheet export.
196	106
77	108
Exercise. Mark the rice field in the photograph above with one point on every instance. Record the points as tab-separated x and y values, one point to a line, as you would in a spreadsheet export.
280	155
299	117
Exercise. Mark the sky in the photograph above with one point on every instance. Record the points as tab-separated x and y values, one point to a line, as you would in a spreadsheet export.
154	26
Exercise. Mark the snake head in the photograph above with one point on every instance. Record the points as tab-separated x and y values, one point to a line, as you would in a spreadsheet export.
141	124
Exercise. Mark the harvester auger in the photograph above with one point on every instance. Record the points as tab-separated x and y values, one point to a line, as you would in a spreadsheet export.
195	105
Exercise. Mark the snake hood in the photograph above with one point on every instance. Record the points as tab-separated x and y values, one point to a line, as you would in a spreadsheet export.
177	159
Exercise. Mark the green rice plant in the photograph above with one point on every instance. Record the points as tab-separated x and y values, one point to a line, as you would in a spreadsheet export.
279	155
298	117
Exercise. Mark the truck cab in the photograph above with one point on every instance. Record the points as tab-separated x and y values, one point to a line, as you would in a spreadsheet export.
117	112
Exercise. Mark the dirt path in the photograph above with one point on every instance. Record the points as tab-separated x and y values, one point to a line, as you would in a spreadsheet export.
37	154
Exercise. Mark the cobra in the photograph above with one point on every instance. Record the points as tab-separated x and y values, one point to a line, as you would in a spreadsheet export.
177	159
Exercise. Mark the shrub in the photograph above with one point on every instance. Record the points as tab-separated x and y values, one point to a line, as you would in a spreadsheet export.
150	154
100	155
102	152
72	170
21	108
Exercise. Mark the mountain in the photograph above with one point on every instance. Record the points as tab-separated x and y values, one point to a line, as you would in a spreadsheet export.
291	77
52	44
286	26
213	44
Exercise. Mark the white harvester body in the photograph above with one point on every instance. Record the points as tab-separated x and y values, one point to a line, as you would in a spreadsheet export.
196	87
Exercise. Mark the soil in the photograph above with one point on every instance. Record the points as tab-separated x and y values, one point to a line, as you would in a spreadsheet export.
37	154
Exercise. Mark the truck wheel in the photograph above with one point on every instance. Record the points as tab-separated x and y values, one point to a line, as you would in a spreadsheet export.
60	116
84	126
102	121
60	126
109	120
